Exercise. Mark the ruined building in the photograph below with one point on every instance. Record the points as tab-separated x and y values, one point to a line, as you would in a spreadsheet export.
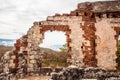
92	32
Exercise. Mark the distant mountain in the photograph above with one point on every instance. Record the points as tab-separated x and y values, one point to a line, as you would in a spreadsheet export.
50	57
53	47
56	47
4	49
10	42
7	42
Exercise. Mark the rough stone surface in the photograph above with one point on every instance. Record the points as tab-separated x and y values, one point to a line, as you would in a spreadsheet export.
106	6
92	32
86	73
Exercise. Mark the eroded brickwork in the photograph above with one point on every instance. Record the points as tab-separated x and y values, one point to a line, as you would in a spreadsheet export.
92	31
89	34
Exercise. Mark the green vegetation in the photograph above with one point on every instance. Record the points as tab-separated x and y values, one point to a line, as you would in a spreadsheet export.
118	50
64	48
53	58
118	56
58	59
55	62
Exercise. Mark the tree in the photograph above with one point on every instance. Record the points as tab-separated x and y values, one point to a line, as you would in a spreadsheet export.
64	48
118	56
118	50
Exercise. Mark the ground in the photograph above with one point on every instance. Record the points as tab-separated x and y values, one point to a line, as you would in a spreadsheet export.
37	78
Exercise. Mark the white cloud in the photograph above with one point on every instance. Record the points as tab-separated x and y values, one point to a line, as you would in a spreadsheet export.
7	43
53	38
19	15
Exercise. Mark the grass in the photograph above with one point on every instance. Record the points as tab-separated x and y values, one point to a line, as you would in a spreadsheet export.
54	59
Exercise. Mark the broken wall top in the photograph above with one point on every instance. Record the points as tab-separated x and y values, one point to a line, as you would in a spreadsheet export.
101	6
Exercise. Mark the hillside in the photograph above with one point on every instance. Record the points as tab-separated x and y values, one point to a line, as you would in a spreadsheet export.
3	49
51	58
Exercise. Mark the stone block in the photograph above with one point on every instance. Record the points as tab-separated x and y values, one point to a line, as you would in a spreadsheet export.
30	65
32	57
30	69
6	57
32	61
23	79
89	79
5	69
45	70
58	69
12	65
50	18
13	57
11	61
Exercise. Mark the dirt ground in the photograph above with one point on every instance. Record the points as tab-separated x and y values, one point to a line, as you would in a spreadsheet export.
36	78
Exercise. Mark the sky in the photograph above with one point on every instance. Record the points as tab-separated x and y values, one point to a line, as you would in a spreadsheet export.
17	16
56	42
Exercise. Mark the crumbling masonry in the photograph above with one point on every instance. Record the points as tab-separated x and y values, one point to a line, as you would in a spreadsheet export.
92	32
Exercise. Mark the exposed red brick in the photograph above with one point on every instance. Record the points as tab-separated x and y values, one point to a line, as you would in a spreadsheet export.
57	14
25	36
25	52
73	13
65	14
17	45
89	34
88	16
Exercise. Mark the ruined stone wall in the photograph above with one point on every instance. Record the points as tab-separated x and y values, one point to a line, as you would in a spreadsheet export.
106	42
68	24
91	38
75	41
7	62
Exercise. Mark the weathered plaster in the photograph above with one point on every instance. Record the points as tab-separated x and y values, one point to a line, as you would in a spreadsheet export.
92	31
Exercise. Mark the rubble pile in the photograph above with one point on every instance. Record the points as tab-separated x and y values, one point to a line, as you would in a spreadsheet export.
86	73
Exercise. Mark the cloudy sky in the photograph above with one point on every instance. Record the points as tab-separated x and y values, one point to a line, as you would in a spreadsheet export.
17	16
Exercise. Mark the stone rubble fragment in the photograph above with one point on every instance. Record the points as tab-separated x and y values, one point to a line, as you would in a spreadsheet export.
86	73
